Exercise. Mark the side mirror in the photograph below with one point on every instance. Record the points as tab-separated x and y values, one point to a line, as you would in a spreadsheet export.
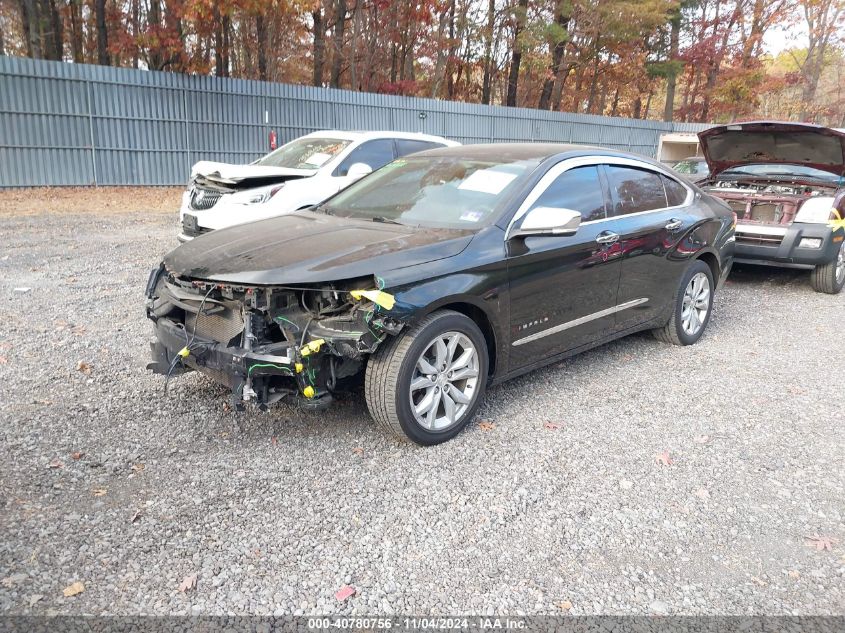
548	221
359	170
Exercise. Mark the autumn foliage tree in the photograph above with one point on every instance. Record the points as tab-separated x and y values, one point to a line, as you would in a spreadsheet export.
688	60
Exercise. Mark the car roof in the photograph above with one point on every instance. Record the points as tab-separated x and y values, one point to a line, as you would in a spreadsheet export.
530	151
359	135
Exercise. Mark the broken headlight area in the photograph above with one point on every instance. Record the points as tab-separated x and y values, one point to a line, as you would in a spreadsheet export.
270	341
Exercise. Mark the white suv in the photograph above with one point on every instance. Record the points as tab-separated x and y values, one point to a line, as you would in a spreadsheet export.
299	174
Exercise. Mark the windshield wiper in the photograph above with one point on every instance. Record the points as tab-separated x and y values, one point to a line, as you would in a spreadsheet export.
381	218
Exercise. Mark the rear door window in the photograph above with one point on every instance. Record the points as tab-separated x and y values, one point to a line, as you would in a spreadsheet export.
405	146
635	190
578	189
376	154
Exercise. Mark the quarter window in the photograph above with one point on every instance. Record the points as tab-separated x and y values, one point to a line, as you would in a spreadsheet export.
376	154
676	193
578	189
636	189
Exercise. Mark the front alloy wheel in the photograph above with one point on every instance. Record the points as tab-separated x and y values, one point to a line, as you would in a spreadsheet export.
426	384
444	381
830	278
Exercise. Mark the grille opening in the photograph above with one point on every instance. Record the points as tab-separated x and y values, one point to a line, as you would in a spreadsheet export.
767	212
757	239
203	198
222	326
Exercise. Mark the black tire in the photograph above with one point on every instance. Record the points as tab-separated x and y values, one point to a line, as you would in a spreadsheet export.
673	332
391	367
830	277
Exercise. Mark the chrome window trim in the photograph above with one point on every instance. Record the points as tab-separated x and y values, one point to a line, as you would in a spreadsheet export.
579	321
586	161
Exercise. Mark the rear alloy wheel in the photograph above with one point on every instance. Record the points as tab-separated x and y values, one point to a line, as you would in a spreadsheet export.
692	309
830	278
426	384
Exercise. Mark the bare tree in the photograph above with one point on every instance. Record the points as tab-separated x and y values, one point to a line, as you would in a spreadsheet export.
337	42
521	15
102	33
489	33
560	36
319	45
824	19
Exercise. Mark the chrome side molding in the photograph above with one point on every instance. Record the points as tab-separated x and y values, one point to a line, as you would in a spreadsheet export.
579	321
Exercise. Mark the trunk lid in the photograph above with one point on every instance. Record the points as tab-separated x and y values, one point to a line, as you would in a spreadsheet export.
726	146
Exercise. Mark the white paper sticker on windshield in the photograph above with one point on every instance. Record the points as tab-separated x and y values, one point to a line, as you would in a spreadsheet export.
317	159
470	216
487	181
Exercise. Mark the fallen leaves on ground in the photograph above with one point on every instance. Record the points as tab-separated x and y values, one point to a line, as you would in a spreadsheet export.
84	367
188	583
10	581
358	451
74	589
344	592
3	360
664	459
99	492
794	574
76	455
820	543
566	605
486	425
78	330
137	467
55	463
551	426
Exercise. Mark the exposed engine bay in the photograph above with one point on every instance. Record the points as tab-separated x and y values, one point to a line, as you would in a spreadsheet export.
765	203
268	342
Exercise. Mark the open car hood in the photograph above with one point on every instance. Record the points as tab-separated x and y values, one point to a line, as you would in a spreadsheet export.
227	174
306	247
726	146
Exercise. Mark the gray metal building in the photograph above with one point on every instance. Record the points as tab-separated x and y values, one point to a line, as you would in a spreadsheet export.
76	124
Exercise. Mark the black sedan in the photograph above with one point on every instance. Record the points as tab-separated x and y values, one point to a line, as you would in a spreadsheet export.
440	274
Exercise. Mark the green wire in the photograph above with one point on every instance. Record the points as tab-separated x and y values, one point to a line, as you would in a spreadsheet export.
281	318
249	372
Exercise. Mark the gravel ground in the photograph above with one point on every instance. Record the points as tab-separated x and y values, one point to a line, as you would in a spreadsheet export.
107	482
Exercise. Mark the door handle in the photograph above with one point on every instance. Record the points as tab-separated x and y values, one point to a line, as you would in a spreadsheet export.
607	237
674	224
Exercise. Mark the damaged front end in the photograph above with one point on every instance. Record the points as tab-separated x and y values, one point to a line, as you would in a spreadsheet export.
267	342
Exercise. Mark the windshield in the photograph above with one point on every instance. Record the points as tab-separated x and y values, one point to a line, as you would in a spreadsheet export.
770	170
442	192
691	167
304	153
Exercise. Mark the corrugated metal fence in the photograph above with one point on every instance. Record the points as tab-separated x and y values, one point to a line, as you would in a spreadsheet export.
75	124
